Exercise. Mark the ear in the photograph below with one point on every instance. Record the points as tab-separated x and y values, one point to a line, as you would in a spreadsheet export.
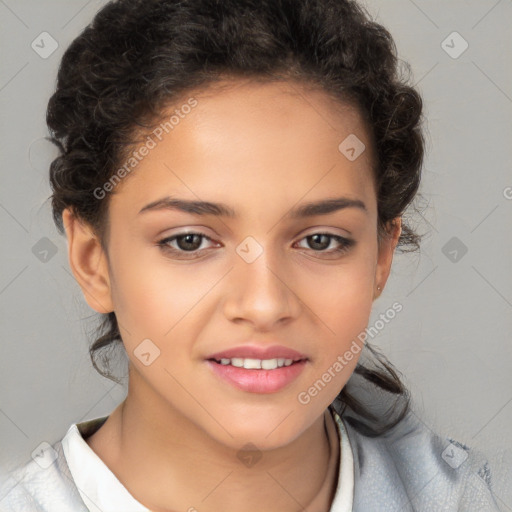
88	263
385	257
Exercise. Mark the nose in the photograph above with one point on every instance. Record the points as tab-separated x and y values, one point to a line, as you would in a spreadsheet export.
261	294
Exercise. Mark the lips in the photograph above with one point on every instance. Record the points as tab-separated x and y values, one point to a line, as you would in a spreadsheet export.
257	381
256	369
256	352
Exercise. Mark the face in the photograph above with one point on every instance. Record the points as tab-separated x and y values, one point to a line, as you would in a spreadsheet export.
187	285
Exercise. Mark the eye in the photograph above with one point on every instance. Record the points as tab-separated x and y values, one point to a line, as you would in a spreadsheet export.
321	241
186	242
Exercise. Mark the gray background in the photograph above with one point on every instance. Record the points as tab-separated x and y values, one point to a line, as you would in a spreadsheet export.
452	340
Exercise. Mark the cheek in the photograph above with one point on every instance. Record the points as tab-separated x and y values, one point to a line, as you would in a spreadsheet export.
350	309
148	296
156	299
343	298
343	308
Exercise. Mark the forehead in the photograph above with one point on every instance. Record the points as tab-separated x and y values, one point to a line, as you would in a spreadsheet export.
277	139
278	112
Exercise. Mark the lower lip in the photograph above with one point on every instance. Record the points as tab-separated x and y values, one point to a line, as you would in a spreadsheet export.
258	381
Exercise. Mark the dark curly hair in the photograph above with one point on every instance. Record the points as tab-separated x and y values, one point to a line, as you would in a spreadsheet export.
137	57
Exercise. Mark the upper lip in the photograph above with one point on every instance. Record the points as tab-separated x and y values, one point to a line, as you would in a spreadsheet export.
257	352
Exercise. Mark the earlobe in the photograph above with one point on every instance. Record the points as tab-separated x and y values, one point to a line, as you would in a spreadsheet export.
88	263
385	255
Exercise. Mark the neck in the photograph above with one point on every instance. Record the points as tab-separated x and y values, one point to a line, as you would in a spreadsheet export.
167	462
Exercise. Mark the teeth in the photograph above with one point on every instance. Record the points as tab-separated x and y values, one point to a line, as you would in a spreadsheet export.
253	364
269	364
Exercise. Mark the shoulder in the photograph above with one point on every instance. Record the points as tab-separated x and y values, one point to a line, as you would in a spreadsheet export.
413	468
43	484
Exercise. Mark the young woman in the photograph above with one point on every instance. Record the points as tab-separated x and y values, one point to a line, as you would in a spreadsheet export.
231	182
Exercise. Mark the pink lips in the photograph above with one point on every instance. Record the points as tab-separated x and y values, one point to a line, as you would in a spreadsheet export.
258	380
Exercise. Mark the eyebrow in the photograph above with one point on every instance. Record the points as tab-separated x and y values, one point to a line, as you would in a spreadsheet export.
311	209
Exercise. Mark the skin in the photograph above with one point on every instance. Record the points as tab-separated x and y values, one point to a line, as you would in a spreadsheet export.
262	149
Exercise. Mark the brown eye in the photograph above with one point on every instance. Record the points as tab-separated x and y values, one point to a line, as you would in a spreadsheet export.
319	242
184	243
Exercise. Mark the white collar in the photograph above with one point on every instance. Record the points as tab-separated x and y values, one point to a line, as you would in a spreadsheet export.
344	497
98	486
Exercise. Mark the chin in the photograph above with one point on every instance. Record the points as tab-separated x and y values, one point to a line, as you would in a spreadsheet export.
266	432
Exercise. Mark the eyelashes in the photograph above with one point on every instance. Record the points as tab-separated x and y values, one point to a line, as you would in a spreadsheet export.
344	243
165	243
189	248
